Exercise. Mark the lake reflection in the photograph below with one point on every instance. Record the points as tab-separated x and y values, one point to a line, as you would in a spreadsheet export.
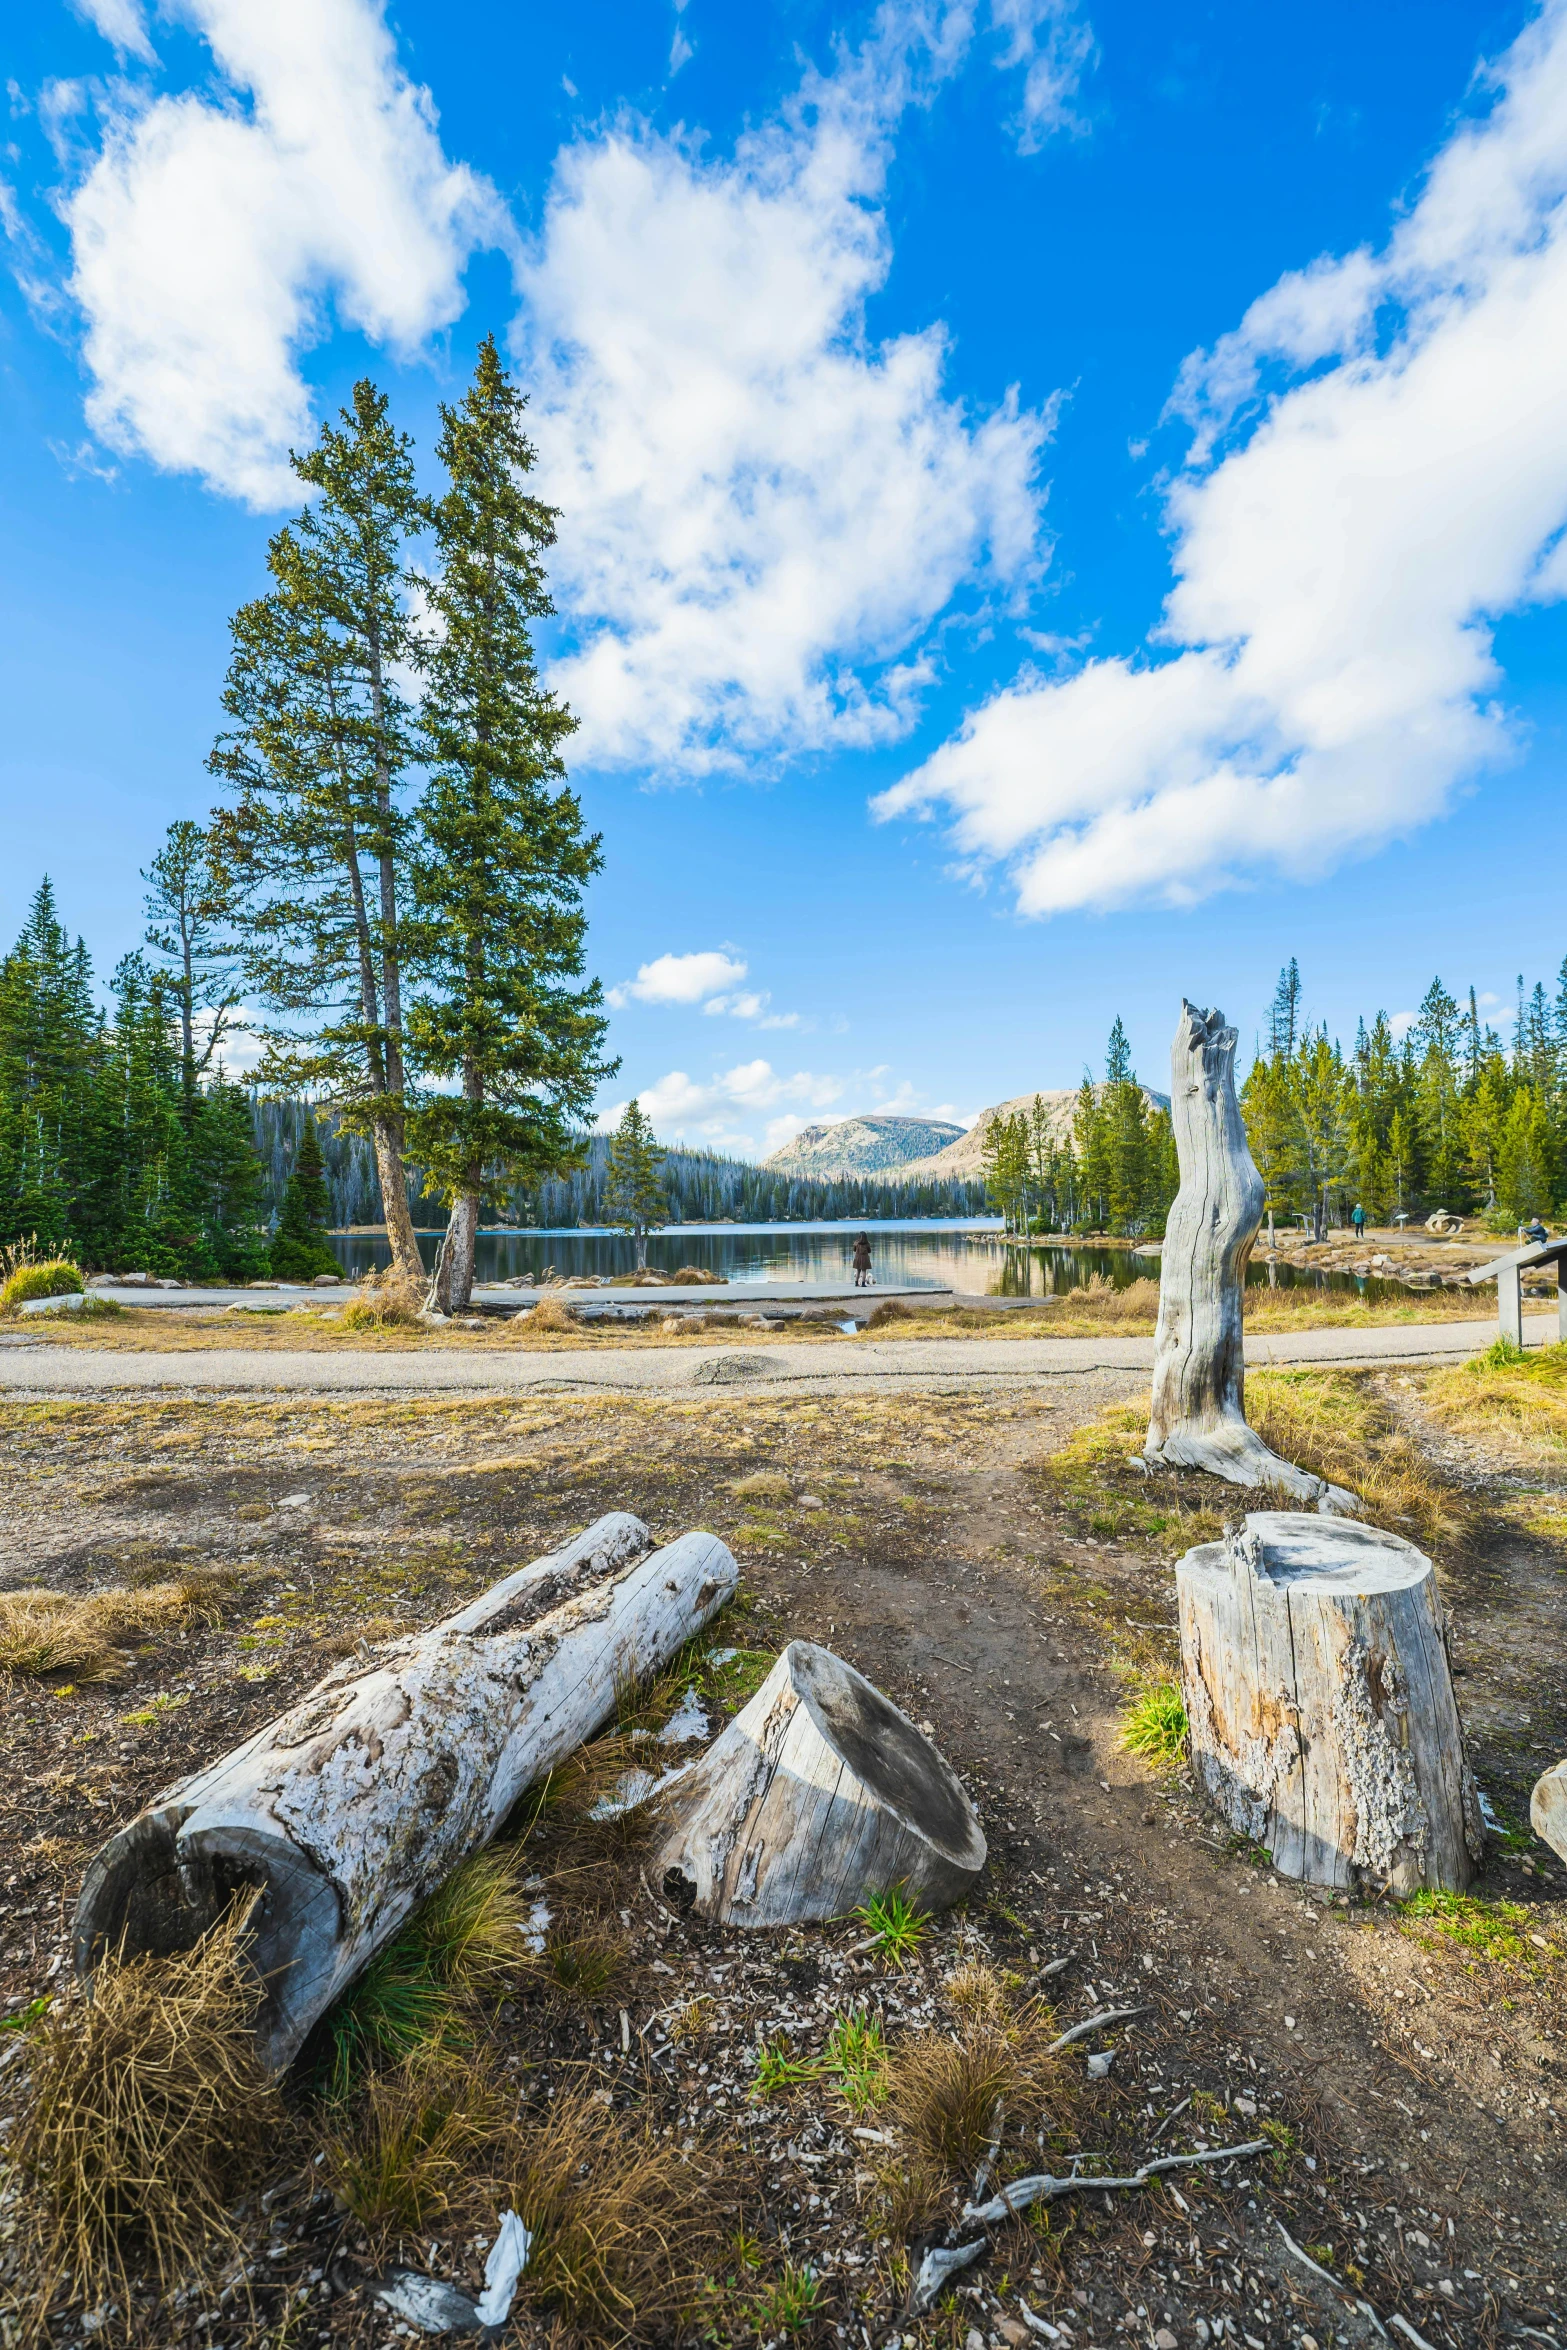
927	1253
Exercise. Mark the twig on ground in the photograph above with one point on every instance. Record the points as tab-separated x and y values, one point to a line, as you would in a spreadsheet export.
1043	2188
1405	2327
1095	2023
1328	2278
1169	2117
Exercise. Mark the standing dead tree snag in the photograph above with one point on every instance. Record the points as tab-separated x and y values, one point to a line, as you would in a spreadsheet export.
1323	1722
1198	1420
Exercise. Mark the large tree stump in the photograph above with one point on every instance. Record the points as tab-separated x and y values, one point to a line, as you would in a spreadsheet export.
352	1807
819	1794
1198	1419
1320	1702
1548	1808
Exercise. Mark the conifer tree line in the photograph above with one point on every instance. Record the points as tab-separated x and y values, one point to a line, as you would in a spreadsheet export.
393	878
1445	1116
1115	1171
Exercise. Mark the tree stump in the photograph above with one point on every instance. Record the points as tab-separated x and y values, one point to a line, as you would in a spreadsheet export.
1198	1419
819	1794
354	1806
1320	1702
1548	1809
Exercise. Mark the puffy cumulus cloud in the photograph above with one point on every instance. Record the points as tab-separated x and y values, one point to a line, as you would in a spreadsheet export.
754	1107
211	236
679	979
768	508
1343	548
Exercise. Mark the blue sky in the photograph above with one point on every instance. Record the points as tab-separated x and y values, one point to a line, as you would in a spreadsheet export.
1060	504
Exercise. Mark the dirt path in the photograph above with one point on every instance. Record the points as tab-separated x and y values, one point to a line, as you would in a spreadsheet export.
30	1365
1419	2082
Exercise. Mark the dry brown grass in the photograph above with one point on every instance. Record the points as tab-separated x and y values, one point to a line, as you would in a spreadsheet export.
551	1314
147	2110
408	2149
1517	1404
763	1485
1334	1423
626	2226
55	1632
385	1301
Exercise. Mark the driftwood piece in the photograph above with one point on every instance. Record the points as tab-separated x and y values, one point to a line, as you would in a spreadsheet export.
354	1805
1548	1808
1198	1418
819	1794
1320	1701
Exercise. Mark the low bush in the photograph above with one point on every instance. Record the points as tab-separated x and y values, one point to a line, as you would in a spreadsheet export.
386	1301
890	1310
551	1313
56	1277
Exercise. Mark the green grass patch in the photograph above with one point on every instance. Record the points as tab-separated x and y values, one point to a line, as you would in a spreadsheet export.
789	2306
856	2056
1494	1930
1154	1725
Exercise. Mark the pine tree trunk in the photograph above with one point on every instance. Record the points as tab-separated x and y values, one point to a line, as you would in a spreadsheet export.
388	1137
1320	1701
1198	1420
452	1288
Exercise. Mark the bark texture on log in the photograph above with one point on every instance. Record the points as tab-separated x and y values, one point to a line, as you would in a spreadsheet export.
818	1794
352	1807
1548	1809
1320	1701
1198	1419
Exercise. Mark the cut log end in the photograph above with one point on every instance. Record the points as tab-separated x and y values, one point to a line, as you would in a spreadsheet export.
1320	1703
1548	1809
819	1794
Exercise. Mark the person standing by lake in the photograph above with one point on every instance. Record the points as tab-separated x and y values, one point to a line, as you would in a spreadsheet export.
1358	1219
862	1262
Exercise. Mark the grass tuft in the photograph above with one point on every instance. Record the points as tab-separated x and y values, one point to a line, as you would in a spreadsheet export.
408	2150
385	1301
148	2110
770	1485
55	1277
625	2225
1154	1725
57	1632
897	1926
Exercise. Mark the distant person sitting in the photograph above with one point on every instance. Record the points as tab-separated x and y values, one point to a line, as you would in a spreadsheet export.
1533	1235
862	1263
1357	1216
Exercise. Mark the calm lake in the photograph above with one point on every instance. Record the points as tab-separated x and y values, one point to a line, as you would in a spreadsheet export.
927	1253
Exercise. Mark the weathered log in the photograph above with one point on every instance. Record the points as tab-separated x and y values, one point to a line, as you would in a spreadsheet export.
1198	1418
354	1805
1548	1808
819	1794
1320	1702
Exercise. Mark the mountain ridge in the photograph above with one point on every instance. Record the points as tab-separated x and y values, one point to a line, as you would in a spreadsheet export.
875	1144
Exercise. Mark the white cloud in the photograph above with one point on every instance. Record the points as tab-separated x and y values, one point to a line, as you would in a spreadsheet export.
119	21
1054	48
679	979
767	508
1400	1024
1340	562
212	238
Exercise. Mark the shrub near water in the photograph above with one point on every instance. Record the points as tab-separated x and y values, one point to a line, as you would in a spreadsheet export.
56	1278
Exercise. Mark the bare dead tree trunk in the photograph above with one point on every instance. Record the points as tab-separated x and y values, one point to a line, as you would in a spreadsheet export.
354	1806
451	1286
1320	1701
1198	1420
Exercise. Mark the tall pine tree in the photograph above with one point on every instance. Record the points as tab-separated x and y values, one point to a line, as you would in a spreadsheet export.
315	837
504	1024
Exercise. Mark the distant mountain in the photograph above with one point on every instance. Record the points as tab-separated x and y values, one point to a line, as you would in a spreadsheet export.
964	1159
864	1146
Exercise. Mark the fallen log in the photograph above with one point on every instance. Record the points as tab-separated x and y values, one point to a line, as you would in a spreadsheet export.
1320	1703
1198	1416
353	1806
819	1794
1548	1808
